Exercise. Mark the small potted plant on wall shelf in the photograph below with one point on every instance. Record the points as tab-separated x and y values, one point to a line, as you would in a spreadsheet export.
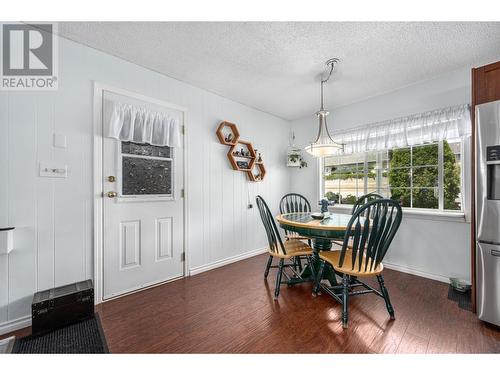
294	156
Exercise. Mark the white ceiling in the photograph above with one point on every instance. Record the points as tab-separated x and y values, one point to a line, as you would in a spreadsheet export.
274	66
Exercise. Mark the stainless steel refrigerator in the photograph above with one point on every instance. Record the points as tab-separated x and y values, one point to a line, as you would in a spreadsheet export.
488	211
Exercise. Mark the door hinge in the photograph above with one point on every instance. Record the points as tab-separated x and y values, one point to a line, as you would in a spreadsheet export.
183	129
182	193
183	256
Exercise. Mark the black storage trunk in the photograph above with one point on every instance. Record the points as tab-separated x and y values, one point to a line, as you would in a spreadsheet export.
57	307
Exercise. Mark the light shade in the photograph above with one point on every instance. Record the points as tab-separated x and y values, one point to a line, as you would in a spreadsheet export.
324	145
320	150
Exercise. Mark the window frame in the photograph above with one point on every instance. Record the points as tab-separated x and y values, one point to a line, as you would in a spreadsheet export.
458	215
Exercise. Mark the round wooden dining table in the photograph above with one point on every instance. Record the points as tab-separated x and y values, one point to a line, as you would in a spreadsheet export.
321	232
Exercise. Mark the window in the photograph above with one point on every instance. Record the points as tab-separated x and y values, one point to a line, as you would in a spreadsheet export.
425	177
145	170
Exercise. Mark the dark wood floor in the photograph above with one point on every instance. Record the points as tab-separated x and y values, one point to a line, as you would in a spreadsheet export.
231	310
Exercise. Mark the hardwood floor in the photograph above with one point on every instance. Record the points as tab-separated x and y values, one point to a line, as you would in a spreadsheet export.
231	310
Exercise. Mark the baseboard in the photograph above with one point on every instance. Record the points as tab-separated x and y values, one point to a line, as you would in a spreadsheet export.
14	325
252	253
219	263
415	272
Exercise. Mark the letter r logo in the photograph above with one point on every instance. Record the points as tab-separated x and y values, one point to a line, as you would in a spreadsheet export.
27	50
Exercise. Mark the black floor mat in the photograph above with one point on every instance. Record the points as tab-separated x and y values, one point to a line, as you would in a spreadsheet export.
463	299
85	337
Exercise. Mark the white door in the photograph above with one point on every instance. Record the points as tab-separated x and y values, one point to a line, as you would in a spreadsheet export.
143	230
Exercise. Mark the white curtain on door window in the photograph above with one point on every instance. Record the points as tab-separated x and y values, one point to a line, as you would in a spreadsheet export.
444	124
141	125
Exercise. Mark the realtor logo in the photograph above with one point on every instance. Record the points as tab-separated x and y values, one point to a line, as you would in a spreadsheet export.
28	57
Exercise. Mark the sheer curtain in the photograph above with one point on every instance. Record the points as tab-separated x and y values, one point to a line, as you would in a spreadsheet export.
442	124
141	125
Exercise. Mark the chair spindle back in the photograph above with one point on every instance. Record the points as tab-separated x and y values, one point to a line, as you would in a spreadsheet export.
273	235
365	199
370	232
292	203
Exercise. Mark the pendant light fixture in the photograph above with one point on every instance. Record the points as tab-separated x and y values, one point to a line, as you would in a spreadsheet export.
324	145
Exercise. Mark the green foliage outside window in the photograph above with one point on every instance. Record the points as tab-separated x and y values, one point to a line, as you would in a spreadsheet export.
334	197
423	162
451	179
349	199
410	173
351	171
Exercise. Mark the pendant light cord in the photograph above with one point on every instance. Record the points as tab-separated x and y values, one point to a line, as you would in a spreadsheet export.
330	65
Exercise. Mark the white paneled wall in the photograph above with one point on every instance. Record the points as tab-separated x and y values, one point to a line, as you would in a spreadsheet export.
53	217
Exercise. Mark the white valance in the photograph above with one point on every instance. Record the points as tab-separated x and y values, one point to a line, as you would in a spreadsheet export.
141	125
444	124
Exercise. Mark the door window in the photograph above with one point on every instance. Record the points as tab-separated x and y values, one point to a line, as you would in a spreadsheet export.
145	170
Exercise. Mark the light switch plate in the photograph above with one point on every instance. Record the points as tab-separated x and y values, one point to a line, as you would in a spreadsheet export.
59	140
51	170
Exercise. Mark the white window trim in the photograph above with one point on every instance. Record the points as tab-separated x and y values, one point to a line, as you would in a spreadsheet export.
416	213
423	213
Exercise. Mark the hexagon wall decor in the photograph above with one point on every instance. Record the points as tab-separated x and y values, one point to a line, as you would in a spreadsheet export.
228	133
257	173
241	154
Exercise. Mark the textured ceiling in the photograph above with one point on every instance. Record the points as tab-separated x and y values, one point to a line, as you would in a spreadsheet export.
274	66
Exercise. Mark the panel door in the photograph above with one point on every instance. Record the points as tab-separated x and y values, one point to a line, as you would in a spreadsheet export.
143	212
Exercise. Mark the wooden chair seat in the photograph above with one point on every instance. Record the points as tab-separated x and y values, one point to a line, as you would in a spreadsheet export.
293	248
296	236
333	258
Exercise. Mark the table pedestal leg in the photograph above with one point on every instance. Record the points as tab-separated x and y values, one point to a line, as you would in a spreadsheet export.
320	244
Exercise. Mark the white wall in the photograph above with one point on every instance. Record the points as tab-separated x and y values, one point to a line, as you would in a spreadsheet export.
53	217
437	249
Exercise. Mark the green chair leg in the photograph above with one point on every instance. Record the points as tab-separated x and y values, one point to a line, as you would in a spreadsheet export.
318	278
278	279
269	262
385	293
314	271
345	299
299	264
